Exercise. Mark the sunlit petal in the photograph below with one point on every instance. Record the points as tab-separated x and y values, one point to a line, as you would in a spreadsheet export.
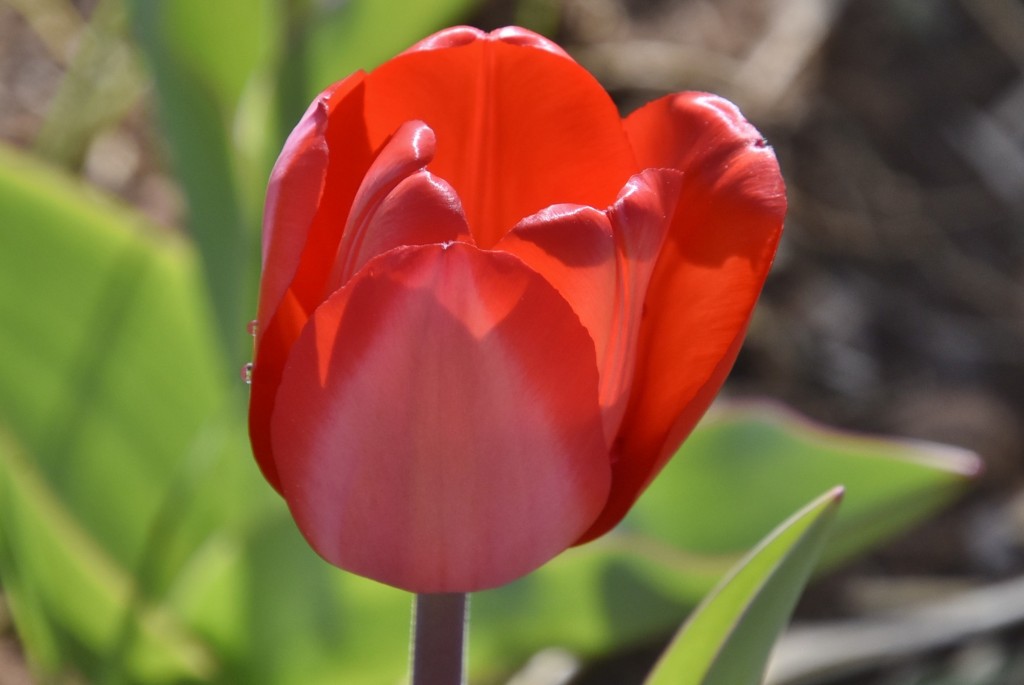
519	127
601	262
707	278
398	203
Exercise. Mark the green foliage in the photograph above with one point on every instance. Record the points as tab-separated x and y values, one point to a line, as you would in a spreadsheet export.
207	59
107	380
747	466
729	637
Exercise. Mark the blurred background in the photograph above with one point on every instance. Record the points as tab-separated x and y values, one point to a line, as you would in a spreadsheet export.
136	141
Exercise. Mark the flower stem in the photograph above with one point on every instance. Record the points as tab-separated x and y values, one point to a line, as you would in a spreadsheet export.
439	639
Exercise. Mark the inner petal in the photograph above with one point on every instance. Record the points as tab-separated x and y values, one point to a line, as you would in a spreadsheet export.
398	203
601	262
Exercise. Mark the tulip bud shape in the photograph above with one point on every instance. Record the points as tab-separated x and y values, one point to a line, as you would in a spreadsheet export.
491	308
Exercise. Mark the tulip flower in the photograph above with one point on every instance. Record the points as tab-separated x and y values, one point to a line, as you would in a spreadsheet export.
491	309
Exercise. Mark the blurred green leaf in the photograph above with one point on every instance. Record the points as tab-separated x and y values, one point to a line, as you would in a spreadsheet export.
589	600
748	465
211	63
729	637
275	613
105	348
65	592
108	382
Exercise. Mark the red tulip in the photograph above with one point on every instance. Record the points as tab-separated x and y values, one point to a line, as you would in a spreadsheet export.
491	309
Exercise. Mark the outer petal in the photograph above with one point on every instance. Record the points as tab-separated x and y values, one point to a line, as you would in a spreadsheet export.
295	191
710	272
427	433
601	263
519	126
301	231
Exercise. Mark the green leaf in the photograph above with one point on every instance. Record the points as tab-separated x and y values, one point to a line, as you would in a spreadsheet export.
748	465
64	590
211	63
111	400
729	637
589	600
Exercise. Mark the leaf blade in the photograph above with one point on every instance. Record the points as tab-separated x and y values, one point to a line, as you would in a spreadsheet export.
752	463
728	638
108	376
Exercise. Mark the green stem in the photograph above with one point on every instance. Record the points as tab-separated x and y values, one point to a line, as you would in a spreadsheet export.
439	639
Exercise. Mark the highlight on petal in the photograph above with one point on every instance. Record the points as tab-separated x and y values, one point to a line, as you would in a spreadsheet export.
448	38
519	127
399	203
706	281
516	35
464	35
429	435
601	262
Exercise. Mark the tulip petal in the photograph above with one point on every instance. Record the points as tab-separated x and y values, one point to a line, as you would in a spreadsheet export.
601	263
573	248
300	237
707	279
519	126
427	432
299	218
398	203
